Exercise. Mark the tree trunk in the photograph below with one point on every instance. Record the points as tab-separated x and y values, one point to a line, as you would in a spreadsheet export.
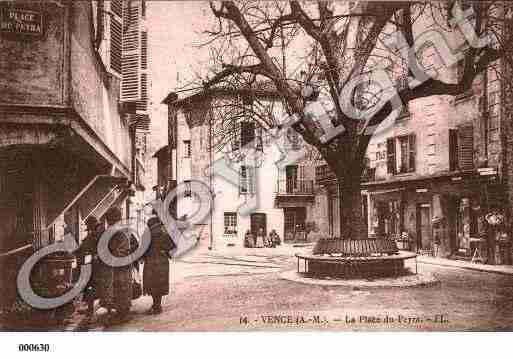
352	223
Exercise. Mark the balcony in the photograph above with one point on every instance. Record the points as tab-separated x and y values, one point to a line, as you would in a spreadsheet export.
294	193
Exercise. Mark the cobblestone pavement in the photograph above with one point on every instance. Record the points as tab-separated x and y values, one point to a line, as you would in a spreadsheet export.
239	290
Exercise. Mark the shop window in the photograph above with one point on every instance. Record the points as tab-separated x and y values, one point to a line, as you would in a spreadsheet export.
230	223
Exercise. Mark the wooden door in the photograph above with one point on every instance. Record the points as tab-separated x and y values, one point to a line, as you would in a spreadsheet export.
424	237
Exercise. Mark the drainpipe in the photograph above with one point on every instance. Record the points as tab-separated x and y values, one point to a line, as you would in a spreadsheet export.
210	175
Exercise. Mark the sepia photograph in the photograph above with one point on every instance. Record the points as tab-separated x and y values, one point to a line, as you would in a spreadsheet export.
263	167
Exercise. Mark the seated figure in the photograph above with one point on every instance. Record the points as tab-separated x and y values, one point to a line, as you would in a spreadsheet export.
249	240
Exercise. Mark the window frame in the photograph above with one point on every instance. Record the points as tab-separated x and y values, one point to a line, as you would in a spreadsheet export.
246	180
188	189
401	161
187	152
230	220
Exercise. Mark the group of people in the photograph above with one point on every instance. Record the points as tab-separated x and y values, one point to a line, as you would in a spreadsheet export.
114	286
261	240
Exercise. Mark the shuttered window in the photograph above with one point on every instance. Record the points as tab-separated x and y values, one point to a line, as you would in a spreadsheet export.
116	7
130	85
407	148
466	147
144	50
453	150
391	162
116	35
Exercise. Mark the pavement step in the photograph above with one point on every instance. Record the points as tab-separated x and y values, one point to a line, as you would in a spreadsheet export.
497	269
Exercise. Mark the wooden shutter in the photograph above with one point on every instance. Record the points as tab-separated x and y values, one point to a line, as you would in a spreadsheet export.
466	147
116	35
144	50
391	162
412	156
130	84
453	150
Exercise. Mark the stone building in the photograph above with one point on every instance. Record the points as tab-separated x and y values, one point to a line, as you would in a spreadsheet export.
279	196
436	169
71	77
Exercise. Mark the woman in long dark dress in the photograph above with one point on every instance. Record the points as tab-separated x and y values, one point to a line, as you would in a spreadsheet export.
117	291
156	264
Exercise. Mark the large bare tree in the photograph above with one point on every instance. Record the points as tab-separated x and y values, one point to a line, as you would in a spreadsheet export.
326	45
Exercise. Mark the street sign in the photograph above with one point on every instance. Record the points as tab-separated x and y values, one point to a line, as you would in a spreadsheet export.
21	22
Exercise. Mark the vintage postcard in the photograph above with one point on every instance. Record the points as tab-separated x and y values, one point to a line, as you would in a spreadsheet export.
278	166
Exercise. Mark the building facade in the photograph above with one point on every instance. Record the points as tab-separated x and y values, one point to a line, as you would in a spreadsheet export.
68	121
436	170
279	196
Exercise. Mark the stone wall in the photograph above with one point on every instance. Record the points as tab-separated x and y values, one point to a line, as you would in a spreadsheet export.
31	67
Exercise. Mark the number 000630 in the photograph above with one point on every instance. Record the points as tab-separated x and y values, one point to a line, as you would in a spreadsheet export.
34	347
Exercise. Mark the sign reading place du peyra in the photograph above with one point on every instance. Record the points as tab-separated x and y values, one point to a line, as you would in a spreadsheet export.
21	22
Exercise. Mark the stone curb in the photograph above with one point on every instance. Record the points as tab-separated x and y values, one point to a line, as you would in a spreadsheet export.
464	266
420	280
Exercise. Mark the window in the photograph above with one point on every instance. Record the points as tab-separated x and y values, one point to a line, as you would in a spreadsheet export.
292	140
116	36
461	148
188	189
406	156
131	66
247	180
246	133
460	70
407	148
230	223
187	148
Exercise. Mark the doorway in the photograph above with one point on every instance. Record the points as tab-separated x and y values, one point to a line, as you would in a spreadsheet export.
258	221
424	232
294	222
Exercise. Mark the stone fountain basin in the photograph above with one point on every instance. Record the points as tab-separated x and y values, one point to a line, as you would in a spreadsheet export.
372	266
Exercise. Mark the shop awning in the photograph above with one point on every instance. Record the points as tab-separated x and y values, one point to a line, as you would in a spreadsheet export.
387	194
96	196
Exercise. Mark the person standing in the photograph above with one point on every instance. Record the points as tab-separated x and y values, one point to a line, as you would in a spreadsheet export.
119	297
260	239
89	248
156	264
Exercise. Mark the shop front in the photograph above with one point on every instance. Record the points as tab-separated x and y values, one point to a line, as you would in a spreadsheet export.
47	191
443	216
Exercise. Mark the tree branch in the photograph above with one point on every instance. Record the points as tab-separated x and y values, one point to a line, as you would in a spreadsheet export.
229	70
